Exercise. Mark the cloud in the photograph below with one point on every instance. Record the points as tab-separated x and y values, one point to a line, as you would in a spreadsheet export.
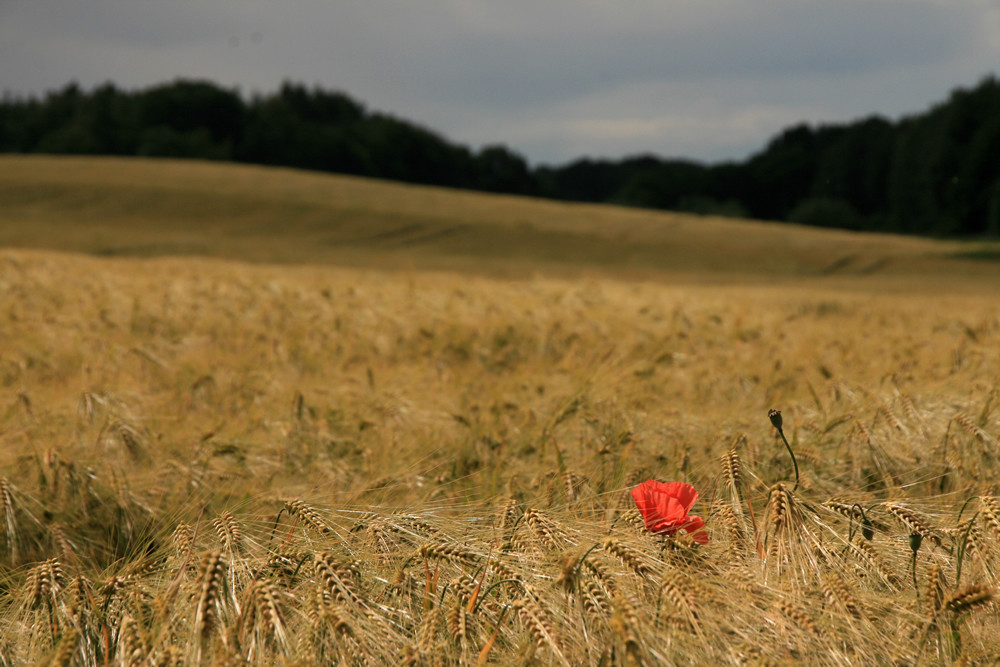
512	54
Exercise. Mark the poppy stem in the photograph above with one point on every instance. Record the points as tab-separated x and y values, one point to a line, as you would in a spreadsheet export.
965	537
775	417
915	540
962	546
490	590
867	531
964	505
795	463
579	563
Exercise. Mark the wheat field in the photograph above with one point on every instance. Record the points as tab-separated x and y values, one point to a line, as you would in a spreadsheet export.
295	460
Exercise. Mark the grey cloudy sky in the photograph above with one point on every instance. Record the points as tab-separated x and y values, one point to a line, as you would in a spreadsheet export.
551	79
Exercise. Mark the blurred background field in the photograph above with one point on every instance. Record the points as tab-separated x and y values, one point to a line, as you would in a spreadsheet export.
262	415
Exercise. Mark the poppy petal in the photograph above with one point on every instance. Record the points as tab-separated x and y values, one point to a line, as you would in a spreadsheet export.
685	494
645	499
669	509
664	508
694	525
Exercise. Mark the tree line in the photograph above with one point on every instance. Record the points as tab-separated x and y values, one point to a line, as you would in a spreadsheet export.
934	173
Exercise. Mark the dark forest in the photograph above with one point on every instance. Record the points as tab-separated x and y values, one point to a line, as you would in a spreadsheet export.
935	173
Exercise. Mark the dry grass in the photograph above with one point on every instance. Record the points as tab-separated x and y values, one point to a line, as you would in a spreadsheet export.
210	461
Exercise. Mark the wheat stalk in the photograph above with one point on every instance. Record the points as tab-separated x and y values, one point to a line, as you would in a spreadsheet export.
132	644
970	427
339	576
81	590
626	623
734	528
43	584
461	624
230	533
133	441
168	656
327	621
799	618
573	484
838	594
508	515
914	521
633	517
183	541
448	551
935	593
67	549
783	528
307	514
66	649
9	509
680	591
869	557
549	532
631	558
991	511
211	582
890	417
968	599
263	617
594	598
536	619
428	631
732	474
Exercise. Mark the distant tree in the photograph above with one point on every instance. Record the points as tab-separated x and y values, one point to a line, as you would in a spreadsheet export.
993	210
662	184
319	106
272	134
63	128
914	176
825	212
702	205
500	170
187	106
164	141
852	164
783	173
971	164
931	173
593	180
113	119
70	139
61	107
402	151
730	182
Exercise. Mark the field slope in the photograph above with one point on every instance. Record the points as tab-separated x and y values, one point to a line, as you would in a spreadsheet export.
145	208
254	416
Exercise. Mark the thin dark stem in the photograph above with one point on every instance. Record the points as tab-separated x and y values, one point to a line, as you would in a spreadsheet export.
795	463
916	538
490	590
963	545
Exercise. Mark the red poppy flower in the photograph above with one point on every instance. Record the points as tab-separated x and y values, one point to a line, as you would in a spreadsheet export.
665	507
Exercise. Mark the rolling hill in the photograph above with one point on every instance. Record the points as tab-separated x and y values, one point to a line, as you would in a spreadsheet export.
264	416
144	208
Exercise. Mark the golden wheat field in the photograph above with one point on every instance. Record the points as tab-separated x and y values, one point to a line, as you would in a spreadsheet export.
342	434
